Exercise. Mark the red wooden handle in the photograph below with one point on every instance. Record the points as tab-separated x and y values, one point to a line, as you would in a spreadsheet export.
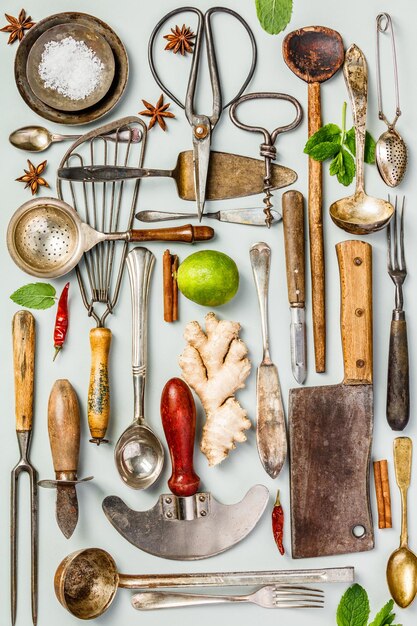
186	233
178	420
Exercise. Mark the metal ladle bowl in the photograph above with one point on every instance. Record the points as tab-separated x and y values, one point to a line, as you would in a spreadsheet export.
86	582
139	455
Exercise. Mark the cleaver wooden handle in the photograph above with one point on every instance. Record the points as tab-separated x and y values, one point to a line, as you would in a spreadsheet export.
178	416
355	266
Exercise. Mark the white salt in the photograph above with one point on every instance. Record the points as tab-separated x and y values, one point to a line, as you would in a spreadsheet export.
71	68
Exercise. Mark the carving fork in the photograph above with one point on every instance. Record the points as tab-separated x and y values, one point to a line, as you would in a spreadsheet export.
23	331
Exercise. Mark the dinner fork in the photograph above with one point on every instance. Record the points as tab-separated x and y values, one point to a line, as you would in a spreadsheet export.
398	392
268	597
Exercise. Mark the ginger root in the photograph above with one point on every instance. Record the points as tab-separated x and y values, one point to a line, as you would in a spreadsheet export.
215	365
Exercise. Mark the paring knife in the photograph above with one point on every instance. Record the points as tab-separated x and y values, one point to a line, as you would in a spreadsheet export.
271	432
64	438
293	223
251	217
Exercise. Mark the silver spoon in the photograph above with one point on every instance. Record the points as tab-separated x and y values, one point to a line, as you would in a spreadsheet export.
38	138
139	454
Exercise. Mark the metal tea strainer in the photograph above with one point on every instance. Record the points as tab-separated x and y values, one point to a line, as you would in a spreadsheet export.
47	238
391	151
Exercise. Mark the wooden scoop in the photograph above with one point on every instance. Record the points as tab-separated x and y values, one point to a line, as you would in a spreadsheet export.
314	54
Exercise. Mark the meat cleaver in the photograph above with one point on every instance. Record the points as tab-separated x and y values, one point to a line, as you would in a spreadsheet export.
331	430
185	524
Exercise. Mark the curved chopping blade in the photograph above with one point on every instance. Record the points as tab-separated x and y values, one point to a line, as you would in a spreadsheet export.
165	530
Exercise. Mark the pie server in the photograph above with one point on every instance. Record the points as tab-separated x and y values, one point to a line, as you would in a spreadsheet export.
185	524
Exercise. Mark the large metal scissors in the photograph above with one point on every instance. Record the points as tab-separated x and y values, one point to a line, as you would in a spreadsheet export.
202	125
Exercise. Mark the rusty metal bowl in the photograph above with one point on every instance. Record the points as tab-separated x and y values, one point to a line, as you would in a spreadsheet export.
92	113
95	42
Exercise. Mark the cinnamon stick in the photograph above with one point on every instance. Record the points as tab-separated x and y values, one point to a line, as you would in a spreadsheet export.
168	286
383	496
379	494
175	264
386	493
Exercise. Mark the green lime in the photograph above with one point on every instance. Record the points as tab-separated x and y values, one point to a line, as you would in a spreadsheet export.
208	277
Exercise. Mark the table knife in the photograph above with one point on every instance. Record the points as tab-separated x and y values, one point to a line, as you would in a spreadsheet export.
293	223
251	217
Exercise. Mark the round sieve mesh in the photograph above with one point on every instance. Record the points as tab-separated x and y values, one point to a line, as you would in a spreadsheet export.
46	237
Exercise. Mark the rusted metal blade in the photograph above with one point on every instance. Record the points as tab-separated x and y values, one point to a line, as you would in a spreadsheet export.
330	446
187	528
66	508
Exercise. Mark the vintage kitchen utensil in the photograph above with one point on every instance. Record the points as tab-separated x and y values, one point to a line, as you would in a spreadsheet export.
391	151
271	434
98	46
359	214
46	237
113	95
293	223
104	207
202	125
86	581
38	138
267	149
251	217
315	54
331	430
184	524
402	564
64	439
23	331
229	175
398	385
139	454
267	597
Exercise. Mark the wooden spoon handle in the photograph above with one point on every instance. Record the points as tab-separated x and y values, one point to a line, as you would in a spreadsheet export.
64	428
315	225
99	391
23	331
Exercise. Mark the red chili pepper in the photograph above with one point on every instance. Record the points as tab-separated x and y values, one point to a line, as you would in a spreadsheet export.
278	524
61	321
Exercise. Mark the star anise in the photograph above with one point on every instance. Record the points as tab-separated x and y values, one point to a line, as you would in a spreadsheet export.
181	40
157	112
17	26
32	177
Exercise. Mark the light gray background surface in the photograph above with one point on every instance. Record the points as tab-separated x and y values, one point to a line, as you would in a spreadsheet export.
133	21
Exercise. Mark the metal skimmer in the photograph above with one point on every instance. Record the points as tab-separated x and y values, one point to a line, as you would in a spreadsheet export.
391	151
107	207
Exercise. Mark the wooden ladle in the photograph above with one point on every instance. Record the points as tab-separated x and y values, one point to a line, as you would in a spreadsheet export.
402	564
314	54
359	214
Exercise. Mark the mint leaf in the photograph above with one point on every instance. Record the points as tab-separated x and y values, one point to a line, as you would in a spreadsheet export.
385	617
353	609
325	150
370	145
329	132
343	166
35	296
274	15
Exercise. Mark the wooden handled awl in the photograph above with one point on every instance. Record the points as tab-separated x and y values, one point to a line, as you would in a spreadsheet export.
64	438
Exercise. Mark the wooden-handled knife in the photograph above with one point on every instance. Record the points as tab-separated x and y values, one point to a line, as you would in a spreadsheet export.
64	438
331	430
293	222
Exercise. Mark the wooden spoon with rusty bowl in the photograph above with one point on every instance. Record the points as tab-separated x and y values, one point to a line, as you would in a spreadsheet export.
359	213
315	54
402	564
